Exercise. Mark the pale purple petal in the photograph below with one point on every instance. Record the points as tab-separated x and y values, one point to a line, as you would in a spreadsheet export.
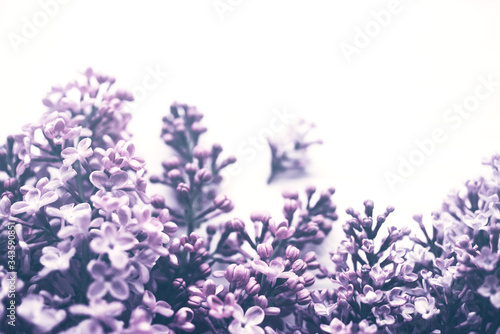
254	315
99	179
97	290
119	289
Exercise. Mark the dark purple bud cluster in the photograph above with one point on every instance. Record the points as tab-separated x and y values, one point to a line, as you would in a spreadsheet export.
193	171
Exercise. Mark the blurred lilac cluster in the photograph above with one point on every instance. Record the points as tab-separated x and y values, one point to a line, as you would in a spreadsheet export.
289	149
96	254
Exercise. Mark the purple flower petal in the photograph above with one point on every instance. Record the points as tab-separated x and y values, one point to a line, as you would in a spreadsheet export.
119	289
99	179
254	315
97	290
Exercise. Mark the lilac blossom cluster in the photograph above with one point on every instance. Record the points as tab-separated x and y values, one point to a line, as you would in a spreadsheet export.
96	254
260	268
86	236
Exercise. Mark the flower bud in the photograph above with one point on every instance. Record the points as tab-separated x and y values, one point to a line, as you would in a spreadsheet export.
183	191
222	203
310	190
252	287
174	246
197	128
170	228
290	207
173	260
292	253
303	297
179	284
367	222
200	153
299	266
260	217
202	176
216	150
367	246
195	301
235	225
228	161
11	184
463	241
191	168
158	201
211	229
174	175
273	311
261	301
290	195
205	269
238	274
292	282
171	163
309	257
209	287
309	278
265	250
369	205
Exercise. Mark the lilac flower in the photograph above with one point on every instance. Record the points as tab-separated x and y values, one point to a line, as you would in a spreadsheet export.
426	307
123	155
444	281
237	274
288	150
273	271
61	177
281	230
395	298
406	311
324	311
219	309
70	212
486	260
113	184
109	203
247	322
183	319
140	322
107	280
383	315
84	327
406	273
59	132
100	310
56	259
160	307
366	328
379	275
490	289
396	254
80	153
370	296
336	326
33	201
476	220
109	240
44	318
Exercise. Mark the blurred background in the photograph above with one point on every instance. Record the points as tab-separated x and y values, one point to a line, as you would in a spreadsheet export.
375	76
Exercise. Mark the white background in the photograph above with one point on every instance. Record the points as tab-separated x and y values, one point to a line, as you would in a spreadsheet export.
273	54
